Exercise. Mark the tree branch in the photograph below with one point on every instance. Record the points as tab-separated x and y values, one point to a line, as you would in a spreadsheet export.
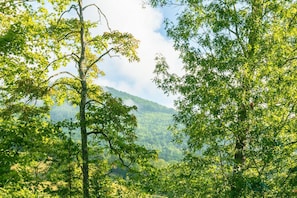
67	11
98	59
99	13
63	83
291	143
237	34
110	146
76	57
288	60
93	100
66	35
63	72
56	60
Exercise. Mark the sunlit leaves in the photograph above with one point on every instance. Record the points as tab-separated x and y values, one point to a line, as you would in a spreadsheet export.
26	134
12	39
123	43
37	39
237	93
116	125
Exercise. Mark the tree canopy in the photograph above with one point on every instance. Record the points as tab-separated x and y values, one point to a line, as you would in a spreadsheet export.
235	111
237	104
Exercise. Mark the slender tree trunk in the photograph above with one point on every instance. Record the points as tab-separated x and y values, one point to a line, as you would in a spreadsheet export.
82	110
84	140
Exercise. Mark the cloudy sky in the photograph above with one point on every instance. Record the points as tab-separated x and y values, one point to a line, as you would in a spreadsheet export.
145	23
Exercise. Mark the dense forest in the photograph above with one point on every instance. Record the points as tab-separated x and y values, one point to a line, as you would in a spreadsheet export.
63	135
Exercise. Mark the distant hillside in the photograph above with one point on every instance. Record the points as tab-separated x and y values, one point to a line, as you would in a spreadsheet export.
153	121
142	104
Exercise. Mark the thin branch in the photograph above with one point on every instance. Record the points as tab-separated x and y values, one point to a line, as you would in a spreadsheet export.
257	167
285	119
292	20
98	59
95	39
122	161
97	132
56	60
237	34
291	143
67	11
110	146
285	180
93	100
63	72
75	56
99	13
66	35
289	60
221	164
63	83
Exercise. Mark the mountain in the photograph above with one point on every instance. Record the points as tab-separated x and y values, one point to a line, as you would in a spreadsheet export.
143	105
153	121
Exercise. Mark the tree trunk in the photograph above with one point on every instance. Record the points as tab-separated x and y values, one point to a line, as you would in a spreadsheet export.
84	140
82	109
239	157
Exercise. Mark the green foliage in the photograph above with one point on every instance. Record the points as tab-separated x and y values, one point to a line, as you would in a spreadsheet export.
25	132
113	124
237	104
153	132
37	159
34	154
153	121
84	51
152	124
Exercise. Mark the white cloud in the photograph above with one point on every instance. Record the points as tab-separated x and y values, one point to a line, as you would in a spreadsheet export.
144	23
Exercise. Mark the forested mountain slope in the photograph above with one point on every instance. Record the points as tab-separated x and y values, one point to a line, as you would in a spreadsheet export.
153	121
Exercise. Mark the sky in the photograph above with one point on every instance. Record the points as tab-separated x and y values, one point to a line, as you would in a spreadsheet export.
145	23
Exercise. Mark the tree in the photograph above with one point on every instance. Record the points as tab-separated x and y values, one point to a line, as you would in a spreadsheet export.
36	40
237	101
85	50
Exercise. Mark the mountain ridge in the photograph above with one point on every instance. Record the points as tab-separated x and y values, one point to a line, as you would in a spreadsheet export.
151	105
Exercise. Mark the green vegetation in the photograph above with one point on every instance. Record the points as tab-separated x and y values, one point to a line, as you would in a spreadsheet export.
40	158
235	116
153	121
78	47
237	97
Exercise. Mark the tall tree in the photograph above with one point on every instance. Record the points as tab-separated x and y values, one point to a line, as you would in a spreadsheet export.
38	38
85	50
237	103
